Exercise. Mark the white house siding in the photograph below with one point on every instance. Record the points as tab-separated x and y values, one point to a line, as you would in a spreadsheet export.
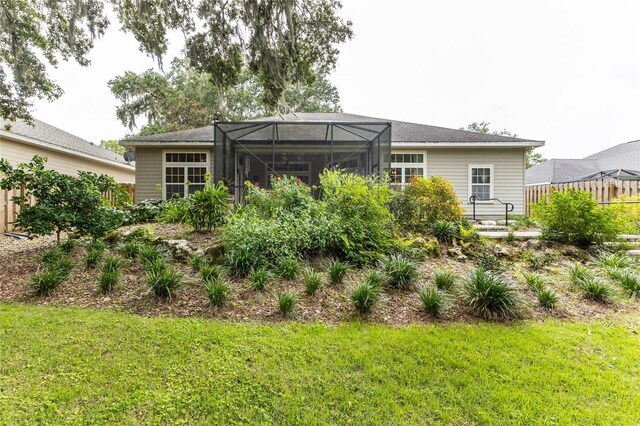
66	163
149	169
508	174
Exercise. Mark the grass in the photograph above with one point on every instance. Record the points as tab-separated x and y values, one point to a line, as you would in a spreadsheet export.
434	301
287	302
490	296
110	274
444	280
259	279
365	295
400	271
312	281
217	291
77	366
337	271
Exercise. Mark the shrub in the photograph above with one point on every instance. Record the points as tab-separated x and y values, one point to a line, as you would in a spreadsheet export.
444	280
595	289
259	278
490	296
144	211
627	214
130	249
364	296
175	211
575	217
433	300
614	260
94	253
288	267
337	271
197	261
547	298
400	271
217	291
312	281
444	231
286	303
110	274
579	273
210	272
468	235
536	282
426	201
208	208
489	262
629	282
359	208
162	279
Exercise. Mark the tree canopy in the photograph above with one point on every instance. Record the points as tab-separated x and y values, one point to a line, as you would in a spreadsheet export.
281	43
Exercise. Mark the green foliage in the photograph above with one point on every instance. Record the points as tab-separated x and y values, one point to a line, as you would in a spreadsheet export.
337	271
210	272
142	235
511	237
490	262
150	253
287	302
62	203
130	249
444	280
627	211
67	245
288	267
578	274
217	291
575	217
467	235
537	261
547	298
55	268
364	296
359	208
434	301
113	145
144	211
425	201
614	260
595	289
175	211
197	261
490	296
519	222
629	281
161	278
51	256
535	281
312	281
444	231
208	208
110	274
94	253
374	278
400	272
259	278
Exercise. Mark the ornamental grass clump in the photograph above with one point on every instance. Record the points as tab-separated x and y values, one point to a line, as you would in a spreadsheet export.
288	267
67	245
217	291
614	260
130	249
547	298
444	280
94	253
594	288
337	271
434	301
365	295
286	303
629	281
444	231
312	281
211	272
162	279
197	261
578	274
110	274
259	279
535	281
150	253
490	296
55	268
400	271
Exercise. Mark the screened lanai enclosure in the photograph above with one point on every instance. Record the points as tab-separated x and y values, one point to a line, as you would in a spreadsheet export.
255	151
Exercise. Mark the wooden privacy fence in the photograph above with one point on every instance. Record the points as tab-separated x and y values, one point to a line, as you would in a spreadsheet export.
9	210
602	190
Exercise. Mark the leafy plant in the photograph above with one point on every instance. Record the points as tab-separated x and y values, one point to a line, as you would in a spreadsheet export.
52	256
489	262
578	274
197	261
614	260
575	217
537	261
144	211
175	211
312	281
490	296
547	298
94	253
208	207
67	245
400	271
511	237
444	231
535	281
374	278
151	253
130	249
595	289
434	301
259	278
364	296
217	291
468	235
629	281
110	274
444	280
627	210
286	303
55	268
518	222
210	272
162	279
337	271
288	267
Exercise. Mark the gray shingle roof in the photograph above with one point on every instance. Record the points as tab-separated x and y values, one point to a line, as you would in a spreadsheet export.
401	131
51	135
622	156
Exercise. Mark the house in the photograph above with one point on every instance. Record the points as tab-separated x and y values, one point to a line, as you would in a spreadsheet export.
304	144
66	153
624	158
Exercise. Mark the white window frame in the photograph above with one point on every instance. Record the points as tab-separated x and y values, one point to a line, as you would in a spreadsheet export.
403	165
185	165
492	179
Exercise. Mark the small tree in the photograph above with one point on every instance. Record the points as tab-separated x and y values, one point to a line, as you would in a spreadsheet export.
62	203
208	207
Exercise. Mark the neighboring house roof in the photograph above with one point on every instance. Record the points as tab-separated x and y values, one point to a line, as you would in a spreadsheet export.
401	131
622	156
57	139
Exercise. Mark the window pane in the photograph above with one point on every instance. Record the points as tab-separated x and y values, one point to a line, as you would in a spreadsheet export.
195	187
410	172
189	158
174	175
174	191
196	174
395	174
483	192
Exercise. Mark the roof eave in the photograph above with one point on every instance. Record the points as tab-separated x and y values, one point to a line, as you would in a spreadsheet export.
518	144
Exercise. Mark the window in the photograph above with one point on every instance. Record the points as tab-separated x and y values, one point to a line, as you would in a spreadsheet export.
481	181
184	172
404	166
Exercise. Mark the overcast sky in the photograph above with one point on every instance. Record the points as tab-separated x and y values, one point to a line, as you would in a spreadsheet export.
567	72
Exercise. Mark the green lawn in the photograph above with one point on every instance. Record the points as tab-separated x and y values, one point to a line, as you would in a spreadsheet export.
83	366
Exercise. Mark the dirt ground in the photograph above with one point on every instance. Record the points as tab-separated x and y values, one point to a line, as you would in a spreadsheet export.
19	260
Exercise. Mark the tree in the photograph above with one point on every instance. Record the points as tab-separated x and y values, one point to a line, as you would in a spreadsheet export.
113	145
282	43
185	98
531	158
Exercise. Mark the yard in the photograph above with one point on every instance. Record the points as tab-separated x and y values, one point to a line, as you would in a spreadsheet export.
61	365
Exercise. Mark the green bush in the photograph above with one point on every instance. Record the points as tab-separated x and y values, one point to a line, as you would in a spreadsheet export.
312	281
547	298
162	279
359	207
217	291
536	282
208	208
286	303
337	271
574	217
210	272
94	253
110	274
130	249
259	278
144	211
629	281
55	268
364	296
490	262
578	274
614	260
425	201
490	296
400	272
444	231
288	267
175	211
444	280
434	301
595	289
197	261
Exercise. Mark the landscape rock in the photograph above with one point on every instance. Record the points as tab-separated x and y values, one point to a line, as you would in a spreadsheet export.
215	252
180	249
456	253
